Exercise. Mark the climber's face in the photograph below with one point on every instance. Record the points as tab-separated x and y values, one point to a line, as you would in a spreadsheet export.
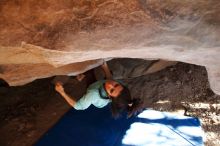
113	88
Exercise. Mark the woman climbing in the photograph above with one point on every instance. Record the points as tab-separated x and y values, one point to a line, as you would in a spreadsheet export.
103	92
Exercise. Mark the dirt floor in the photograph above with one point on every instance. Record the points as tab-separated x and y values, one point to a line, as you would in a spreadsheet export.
28	111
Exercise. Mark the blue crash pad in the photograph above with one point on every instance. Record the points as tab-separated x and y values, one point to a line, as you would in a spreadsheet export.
96	127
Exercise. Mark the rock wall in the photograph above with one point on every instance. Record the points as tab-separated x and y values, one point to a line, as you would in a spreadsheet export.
47	37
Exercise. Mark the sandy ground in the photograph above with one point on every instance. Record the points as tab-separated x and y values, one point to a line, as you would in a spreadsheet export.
28	111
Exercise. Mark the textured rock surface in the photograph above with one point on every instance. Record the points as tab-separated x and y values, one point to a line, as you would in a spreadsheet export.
64	33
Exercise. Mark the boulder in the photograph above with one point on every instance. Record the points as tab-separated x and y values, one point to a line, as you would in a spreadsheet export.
45	38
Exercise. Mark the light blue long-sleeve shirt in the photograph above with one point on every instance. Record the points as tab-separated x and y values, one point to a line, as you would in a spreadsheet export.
92	96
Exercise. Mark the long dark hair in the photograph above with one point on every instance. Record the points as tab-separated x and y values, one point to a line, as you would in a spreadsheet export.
124	102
